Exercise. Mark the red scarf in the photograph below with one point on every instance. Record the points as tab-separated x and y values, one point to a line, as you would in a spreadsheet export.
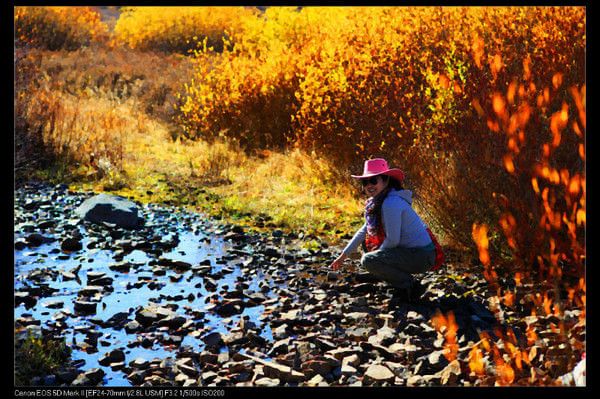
375	232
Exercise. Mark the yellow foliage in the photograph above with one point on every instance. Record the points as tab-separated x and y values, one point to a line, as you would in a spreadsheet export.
178	29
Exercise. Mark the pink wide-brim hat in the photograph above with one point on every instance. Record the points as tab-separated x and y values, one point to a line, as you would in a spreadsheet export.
379	166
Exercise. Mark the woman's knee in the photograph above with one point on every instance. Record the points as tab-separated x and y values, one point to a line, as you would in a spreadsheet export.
370	261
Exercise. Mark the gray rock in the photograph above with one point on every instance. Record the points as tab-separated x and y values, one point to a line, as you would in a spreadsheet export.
450	374
26	298
187	367
207	357
140	363
115	356
53	304
278	371
377	373
280	347
173	322
90	290
132	327
90	377
105	208
85	306
71	244
36	239
137	377
267	382
67	375
213	340
312	367
66	276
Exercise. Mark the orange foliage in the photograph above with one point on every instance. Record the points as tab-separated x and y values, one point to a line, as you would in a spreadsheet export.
447	325
420	86
56	28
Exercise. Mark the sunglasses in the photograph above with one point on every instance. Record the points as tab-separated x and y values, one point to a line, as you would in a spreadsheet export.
371	180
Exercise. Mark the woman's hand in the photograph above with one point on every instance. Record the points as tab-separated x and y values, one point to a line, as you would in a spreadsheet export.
336	264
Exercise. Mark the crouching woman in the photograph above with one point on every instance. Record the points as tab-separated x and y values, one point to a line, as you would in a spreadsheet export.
396	240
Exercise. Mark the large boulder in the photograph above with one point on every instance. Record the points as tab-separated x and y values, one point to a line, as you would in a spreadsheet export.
106	208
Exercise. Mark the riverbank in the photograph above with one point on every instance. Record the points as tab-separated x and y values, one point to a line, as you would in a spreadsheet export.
189	300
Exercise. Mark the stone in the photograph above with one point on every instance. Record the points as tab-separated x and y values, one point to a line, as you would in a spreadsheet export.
227	309
187	367
91	290
352	360
312	367
90	377
139	363
132	327
450	374
359	333
363	288
213	340
25	298
384	336
85	306
348	370
267	382
114	356
152	314
106	208
277	371
437	359
316	380
117	320
377	374
36	239
55	304
208	357
71	244
173	321
208	376
341	353
280	347
68	276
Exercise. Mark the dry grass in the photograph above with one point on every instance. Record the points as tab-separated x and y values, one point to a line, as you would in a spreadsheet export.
292	190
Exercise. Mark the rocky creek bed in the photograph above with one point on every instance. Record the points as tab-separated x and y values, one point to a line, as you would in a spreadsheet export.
186	300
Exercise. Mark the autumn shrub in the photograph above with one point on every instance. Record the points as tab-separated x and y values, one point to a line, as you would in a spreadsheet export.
248	92
56	28
178	29
406	83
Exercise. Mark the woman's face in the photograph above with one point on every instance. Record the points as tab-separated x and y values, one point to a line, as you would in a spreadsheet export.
374	185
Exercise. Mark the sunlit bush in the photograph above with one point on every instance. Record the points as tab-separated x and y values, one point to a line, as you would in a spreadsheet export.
56	28
178	29
406	83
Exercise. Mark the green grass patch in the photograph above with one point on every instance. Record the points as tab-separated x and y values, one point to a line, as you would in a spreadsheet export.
38	357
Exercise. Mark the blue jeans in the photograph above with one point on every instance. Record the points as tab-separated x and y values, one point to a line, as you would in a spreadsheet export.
397	265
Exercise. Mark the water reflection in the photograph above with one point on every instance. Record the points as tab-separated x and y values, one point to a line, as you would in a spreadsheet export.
132	290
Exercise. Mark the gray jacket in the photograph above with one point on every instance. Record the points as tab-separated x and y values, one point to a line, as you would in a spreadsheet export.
402	226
